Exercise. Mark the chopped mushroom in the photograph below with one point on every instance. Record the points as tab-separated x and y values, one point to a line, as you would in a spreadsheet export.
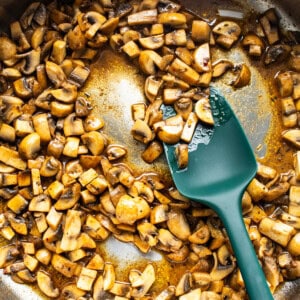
46	285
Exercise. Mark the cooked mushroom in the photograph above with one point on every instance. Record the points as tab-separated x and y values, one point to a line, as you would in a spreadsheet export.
55	73
269	22
95	141
93	122
46	285
254	44
277	53
182	157
148	59
220	67
292	136
141	131
200	31
203	111
202	60
228	32
30	146
143	17
130	209
7	48
152	42
67	94
243	77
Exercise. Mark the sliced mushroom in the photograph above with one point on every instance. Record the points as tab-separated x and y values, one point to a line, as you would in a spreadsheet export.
292	136
30	146
55	73
254	44
143	17
228	32
142	132
95	141
269	22
46	285
67	94
200	31
152	42
7	48
244	76
148	59
221	67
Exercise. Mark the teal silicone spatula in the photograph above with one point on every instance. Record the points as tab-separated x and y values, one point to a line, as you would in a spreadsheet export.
221	165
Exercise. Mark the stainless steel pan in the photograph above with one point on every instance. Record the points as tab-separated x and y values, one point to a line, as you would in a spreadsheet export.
255	112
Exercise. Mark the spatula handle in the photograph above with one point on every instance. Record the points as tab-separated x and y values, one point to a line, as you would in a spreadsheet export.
253	275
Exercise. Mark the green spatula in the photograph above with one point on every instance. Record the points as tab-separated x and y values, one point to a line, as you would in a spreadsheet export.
221	165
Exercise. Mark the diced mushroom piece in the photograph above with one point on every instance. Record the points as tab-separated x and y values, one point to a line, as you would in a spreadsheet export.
50	167
152	42
63	265
296	80
285	84
192	295
221	67
200	31
31	61
143	17
182	155
148	59
130	209
95	142
220	272
142	283
55	73
276	230
295	58
152	87
11	73
30	146
176	38
277	53
172	19
183	71
189	127
22	88
8	255
183	107
184	285
257	190
19	37
11	158
228	32
92	21
79	76
159	214
60	110
41	126
294	203
272	272
138	111
71	146
86	279
292	136
294	245
141	131
40	203
168	240
289	112
67	93
8	48
148	233
71	291
115	152
203	111
109	276
254	44
46	285
269	22
69	197
202	59
166	294
73	125
178	225
243	77
152	152
131	49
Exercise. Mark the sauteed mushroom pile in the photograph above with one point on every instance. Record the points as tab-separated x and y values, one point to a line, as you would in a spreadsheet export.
65	187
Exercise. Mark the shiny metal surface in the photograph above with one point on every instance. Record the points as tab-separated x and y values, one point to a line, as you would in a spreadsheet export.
106	87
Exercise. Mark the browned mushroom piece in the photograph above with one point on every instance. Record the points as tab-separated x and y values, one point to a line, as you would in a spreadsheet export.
244	76
277	53
7	48
269	22
254	44
227	33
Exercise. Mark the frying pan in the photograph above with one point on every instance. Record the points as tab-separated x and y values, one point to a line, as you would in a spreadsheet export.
111	75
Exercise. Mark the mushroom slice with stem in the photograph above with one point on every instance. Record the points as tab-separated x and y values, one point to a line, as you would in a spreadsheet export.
55	73
172	19
228	32
95	142
92	21
67	94
69	197
32	60
254	44
220	272
152	42
200	31
148	59
73	125
46	285
142	132
292	136
8	48
269	22
142	284
50	167
30	146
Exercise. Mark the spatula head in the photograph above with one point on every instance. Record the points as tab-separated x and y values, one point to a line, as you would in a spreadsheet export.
220	156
